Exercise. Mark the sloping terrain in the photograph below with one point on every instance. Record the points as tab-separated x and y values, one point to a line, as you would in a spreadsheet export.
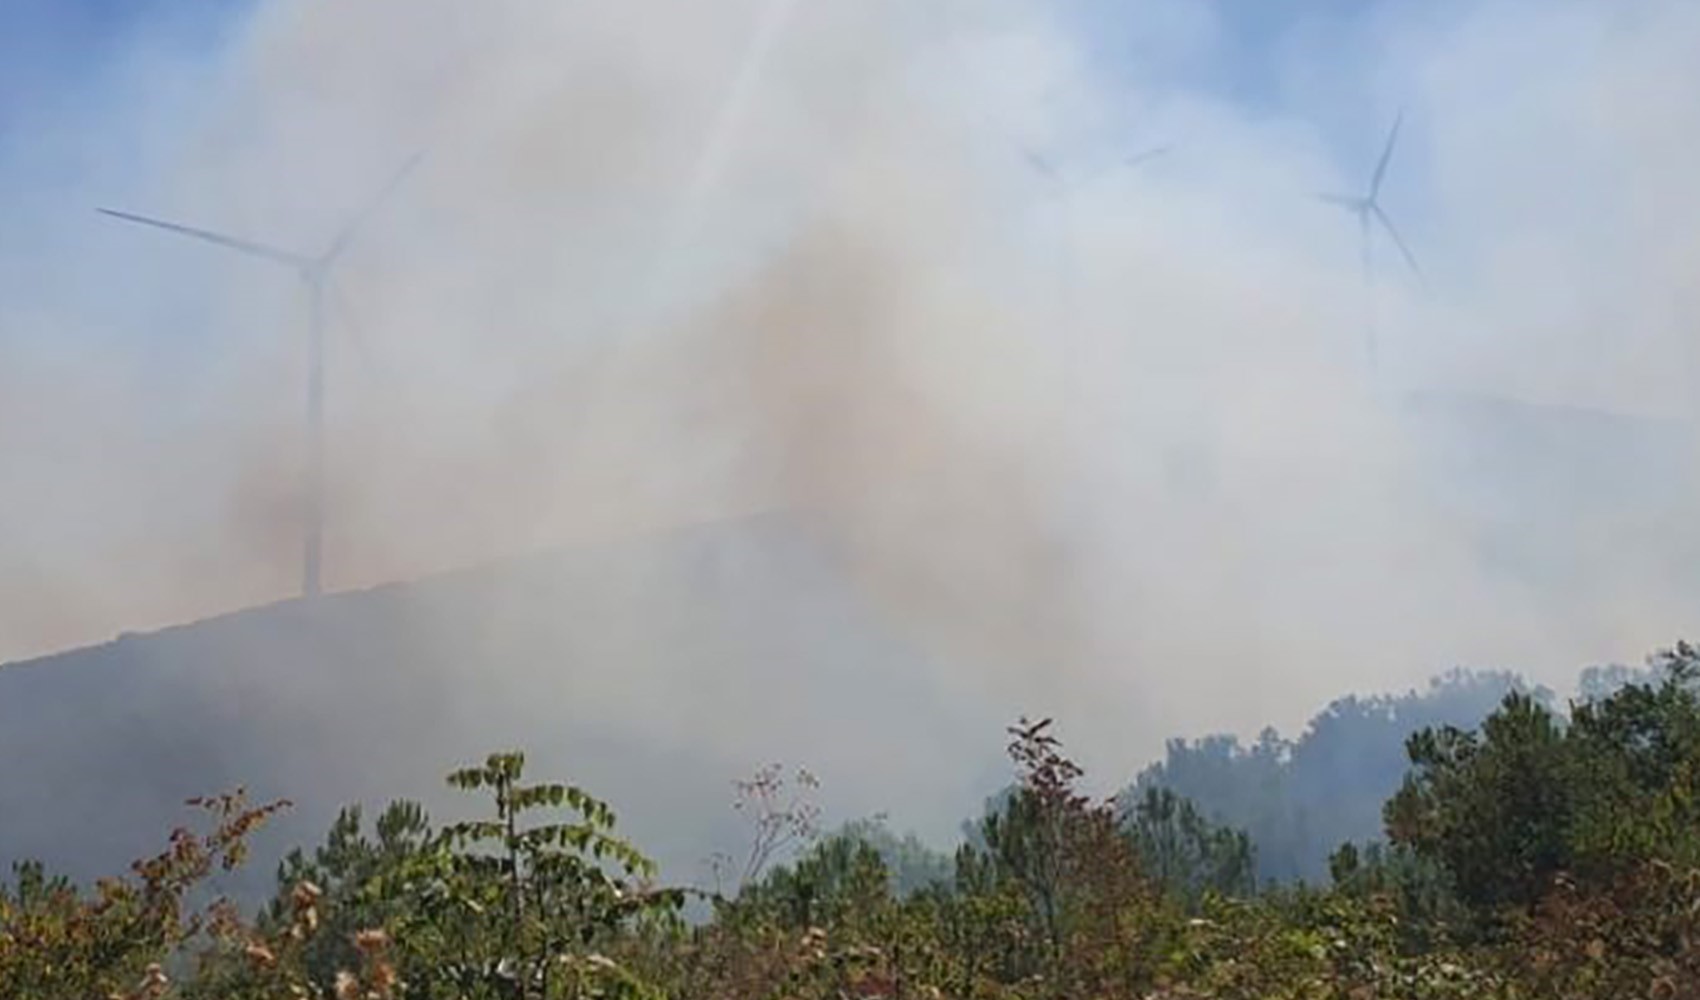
1554	493
656	670
653	671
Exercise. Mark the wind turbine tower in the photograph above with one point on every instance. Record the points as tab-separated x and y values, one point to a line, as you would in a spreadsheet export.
315	274
1367	208
1063	188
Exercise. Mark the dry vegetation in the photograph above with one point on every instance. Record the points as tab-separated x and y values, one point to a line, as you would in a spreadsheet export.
1538	856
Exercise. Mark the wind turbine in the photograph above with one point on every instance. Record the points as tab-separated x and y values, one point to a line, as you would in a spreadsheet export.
1078	480
315	274
1063	187
1042	165
1367	208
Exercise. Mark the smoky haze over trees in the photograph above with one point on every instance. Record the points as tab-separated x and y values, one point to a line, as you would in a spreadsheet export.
1532	855
738	392
279	698
854	318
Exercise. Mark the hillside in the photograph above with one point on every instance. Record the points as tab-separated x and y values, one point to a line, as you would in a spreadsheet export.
662	667
1587	510
659	668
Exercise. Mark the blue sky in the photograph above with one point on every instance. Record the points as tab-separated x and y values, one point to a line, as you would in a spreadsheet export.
54	49
48	44
61	54
1246	36
62	57
70	35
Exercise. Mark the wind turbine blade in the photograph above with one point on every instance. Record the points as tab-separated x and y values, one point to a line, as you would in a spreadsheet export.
1041	165
228	242
1038	162
1138	159
1344	201
1386	156
1081	180
1398	241
346	237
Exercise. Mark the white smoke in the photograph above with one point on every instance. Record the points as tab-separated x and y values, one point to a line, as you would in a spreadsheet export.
872	308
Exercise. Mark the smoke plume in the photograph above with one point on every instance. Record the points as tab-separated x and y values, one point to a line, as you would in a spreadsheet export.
1109	435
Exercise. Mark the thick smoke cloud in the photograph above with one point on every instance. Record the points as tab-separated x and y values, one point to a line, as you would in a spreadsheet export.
1111	439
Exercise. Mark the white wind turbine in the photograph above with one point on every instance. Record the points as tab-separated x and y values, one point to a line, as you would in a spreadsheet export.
1063	188
315	275
1367	208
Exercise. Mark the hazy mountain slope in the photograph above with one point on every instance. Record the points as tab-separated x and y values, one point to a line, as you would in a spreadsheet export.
653	671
